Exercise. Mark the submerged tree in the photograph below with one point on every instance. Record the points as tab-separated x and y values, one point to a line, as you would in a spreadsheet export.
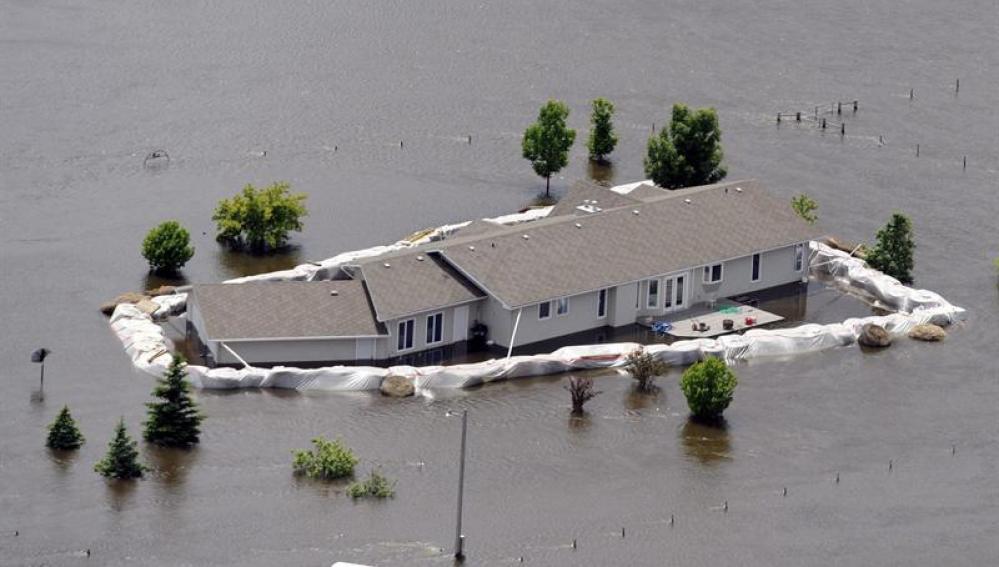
581	390
546	142
259	219
327	460
167	248
602	139
894	249
376	485
64	435
122	459
175	421
688	152
644	368
709	386
805	206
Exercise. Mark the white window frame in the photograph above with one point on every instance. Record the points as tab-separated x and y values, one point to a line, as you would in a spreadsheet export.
649	304
756	265
602	301
706	276
799	257
559	302
434	330
545	317
401	338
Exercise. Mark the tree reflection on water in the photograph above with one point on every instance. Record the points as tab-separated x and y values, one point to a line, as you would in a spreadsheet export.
708	443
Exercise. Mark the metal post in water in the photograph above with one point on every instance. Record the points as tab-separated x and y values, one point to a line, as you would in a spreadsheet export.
823	123
778	117
839	108
855	106
912	93
797	117
965	166
917	150
842	129
957	86
459	538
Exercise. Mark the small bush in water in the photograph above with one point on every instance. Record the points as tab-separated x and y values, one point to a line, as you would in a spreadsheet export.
64	435
167	248
375	485
327	460
581	390
644	368
708	386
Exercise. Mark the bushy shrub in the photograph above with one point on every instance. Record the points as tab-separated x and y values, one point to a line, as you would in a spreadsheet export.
708	386
167	247
259	219
644	368
581	391
375	485
327	460
805	206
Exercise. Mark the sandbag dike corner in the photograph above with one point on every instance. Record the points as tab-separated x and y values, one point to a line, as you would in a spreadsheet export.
149	348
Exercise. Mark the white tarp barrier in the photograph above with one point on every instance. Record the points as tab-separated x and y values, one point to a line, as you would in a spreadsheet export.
149	347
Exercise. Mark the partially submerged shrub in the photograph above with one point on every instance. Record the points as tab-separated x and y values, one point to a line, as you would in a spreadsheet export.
167	248
805	206
327	460
708	386
376	485
644	368
259	219
894	249
581	390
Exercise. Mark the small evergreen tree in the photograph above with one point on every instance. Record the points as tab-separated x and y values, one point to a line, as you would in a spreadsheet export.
602	138
805	206
708	386
688	152
893	252
546	142
64	435
328	460
175	421
122	459
167	248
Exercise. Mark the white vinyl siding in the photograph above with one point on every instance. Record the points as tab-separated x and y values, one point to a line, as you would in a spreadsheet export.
435	328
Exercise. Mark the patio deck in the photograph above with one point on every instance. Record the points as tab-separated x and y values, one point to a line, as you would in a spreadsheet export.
713	318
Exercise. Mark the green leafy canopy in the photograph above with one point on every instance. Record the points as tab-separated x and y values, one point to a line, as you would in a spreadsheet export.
805	206
602	138
688	152
167	247
327	460
893	253
709	386
546	142
259	219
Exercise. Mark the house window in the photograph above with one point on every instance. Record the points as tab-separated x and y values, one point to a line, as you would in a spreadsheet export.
435	328
679	291
653	296
601	304
756	267
545	310
713	273
405	340
668	294
562	306
799	257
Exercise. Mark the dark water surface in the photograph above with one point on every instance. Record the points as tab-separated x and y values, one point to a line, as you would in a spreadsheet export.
253	91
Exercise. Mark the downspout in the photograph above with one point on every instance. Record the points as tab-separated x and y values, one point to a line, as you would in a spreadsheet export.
513	335
232	352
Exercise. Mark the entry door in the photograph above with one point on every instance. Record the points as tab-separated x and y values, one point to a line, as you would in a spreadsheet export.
460	323
675	292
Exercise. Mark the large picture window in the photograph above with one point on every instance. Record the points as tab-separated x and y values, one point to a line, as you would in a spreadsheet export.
405	339
435	328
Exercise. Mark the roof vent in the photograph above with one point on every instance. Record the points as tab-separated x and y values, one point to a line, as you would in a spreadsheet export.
527	237
334	292
688	201
634	211
492	245
387	265
738	189
472	248
419	258
579	225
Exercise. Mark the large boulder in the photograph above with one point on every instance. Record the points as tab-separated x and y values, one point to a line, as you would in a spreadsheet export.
927	332
874	336
397	386
130	297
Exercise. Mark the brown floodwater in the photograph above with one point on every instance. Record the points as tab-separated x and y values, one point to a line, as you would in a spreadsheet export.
320	94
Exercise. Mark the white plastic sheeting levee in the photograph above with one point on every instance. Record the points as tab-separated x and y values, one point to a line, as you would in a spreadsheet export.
148	346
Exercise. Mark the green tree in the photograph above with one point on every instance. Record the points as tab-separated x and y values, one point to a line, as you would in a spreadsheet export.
546	142
688	152
602	138
375	485
175	421
708	386
259	219
122	459
644	368
64	435
805	206
167	247
327	460
893	252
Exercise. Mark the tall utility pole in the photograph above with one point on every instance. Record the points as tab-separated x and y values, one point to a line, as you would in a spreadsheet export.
459	538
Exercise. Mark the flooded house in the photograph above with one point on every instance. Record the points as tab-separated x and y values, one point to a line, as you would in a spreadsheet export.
602	258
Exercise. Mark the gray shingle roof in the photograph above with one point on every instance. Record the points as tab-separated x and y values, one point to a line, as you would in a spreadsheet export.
411	285
261	310
618	246
584	190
